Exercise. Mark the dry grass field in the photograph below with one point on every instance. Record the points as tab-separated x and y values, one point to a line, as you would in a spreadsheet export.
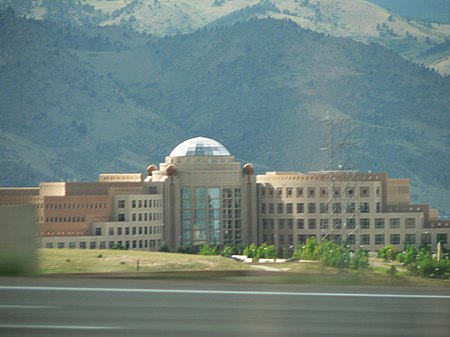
122	263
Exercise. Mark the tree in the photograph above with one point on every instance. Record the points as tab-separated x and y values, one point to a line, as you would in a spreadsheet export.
251	251
408	256
208	250
388	253
262	251
360	259
310	251
227	251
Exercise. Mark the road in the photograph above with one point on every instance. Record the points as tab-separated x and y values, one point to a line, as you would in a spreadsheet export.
120	307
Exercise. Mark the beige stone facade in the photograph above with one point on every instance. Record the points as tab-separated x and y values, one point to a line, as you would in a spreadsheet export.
361	209
201	195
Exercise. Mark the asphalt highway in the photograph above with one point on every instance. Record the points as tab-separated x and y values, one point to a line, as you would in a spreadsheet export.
32	307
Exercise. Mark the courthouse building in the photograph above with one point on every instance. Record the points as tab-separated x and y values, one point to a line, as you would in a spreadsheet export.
202	195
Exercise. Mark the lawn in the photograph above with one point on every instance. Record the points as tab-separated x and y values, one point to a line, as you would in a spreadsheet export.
59	261
124	263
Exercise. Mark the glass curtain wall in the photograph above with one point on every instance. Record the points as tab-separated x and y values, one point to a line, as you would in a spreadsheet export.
200	217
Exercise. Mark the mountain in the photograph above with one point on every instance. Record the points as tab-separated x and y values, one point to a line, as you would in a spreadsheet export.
61	119
427	10
357	19
76	101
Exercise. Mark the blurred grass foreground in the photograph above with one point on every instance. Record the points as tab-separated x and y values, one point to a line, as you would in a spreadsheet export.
157	265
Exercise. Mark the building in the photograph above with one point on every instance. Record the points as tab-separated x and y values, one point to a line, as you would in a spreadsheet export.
202	195
209	198
360	209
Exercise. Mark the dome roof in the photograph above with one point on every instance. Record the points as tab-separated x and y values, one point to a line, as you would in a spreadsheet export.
199	146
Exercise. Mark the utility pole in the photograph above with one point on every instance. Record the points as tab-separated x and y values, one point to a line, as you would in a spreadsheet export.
340	212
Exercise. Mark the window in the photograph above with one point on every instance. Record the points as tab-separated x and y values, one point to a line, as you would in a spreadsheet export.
410	223
271	208
280	224
323	223
364	191
121	204
71	245
351	223
442	238
323	192
98	231
395	239
133	217
111	231
299	192
49	245
300	208
311	208
312	224
133	231
311	192
300	224
337	191
290	224
350	192
290	239
337	223
365	223
323	207
378	207
279	192
140	216
302	238
410	239
394	223
280	208
337	208
119	230
140	203
364	207
425	239
133	203
351	239
379	239
351	207
82	245
289	208
365	239
127	230
263	208
263	191
92	245
289	192
379	223
60	245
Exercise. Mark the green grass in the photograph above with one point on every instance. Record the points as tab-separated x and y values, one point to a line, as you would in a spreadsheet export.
121	263
63	261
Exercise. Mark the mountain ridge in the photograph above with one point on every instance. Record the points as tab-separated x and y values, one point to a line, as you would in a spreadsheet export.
360	20
118	106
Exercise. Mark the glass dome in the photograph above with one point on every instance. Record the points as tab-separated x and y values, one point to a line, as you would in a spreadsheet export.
199	146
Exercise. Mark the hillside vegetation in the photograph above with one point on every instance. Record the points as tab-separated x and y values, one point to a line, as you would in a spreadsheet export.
360	20
78	100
